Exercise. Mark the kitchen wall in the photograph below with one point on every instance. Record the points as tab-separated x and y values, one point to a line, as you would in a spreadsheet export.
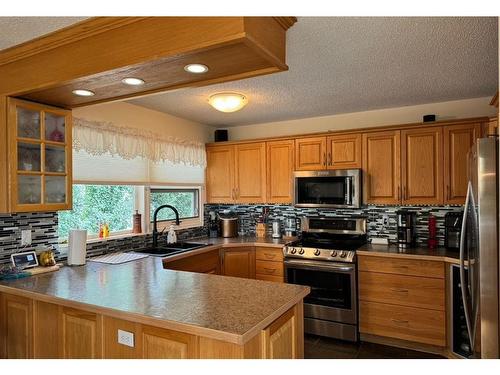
375	215
456	109
130	115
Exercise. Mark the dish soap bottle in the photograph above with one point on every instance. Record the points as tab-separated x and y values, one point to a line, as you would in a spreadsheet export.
171	236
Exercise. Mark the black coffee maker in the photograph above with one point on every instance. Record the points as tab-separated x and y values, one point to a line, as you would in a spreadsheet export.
406	228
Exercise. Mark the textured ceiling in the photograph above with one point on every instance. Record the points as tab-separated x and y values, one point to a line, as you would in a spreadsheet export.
16	30
342	65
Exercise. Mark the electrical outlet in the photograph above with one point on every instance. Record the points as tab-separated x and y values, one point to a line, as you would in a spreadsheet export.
385	219
25	237
126	338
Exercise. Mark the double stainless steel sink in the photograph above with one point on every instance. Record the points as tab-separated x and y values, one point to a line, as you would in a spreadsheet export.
171	249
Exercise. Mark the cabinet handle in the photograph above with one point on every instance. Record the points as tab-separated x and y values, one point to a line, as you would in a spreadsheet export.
448	192
269	256
232	194
270	270
324	159
400	321
399	193
330	161
404	193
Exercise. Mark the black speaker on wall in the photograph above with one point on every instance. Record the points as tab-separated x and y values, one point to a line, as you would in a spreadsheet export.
220	135
429	118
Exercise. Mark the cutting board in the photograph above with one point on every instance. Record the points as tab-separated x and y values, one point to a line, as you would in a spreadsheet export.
39	270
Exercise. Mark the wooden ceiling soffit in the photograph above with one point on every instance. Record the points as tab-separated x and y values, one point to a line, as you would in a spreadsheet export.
96	54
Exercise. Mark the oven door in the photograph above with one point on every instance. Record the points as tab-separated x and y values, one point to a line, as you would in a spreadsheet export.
333	288
327	189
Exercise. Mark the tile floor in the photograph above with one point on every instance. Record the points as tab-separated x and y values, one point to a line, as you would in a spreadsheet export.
317	347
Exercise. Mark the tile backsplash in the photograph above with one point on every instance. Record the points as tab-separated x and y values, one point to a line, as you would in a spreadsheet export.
375	216
44	226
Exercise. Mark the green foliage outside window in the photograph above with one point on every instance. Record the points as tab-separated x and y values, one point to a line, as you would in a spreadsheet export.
185	201
95	204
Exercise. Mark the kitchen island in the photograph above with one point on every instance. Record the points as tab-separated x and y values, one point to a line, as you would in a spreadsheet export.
82	312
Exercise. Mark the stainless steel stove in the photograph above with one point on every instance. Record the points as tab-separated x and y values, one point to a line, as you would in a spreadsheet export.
324	258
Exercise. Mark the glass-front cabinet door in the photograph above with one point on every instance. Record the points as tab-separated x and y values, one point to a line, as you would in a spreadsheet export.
40	157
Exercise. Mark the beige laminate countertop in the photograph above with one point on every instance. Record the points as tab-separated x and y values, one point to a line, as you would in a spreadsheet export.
423	253
221	307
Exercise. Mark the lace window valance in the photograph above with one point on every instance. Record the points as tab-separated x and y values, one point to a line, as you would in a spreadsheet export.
98	138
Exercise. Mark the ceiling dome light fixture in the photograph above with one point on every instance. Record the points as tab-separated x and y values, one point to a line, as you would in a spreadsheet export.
196	68
82	92
228	101
132	81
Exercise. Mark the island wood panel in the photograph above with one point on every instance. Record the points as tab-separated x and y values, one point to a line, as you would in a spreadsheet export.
250	173
114	350
411	267
238	262
16	323
344	151
310	154
220	174
422	292
458	140
280	166
381	167
208	262
81	334
279	339
46	330
402	322
422	166
165	344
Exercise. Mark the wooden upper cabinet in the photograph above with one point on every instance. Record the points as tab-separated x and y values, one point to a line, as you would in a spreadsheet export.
458	140
310	154
220	174
381	167
238	262
39	157
280	165
422	166
250	176
344	151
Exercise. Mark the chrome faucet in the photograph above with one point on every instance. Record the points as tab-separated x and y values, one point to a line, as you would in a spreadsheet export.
155	224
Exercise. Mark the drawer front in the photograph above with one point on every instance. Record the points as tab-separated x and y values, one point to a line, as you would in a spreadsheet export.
412	267
405	323
402	290
269	268
278	279
273	254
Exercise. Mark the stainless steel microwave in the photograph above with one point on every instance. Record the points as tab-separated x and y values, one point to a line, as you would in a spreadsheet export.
332	188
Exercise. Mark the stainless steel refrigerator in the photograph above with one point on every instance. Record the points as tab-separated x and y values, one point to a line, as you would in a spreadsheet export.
479	258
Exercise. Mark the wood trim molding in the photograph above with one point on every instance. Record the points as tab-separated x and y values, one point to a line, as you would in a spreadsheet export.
61	37
286	22
358	130
494	100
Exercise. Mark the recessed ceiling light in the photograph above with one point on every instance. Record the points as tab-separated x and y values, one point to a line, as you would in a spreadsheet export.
196	68
228	101
82	92
132	81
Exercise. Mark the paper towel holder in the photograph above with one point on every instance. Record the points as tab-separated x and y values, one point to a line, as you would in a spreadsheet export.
77	247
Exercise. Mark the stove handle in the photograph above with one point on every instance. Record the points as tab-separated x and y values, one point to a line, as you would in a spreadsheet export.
325	267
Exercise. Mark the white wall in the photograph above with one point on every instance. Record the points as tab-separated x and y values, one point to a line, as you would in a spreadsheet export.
391	116
130	115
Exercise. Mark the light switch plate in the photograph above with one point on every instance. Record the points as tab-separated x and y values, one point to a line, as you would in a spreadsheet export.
126	338
25	237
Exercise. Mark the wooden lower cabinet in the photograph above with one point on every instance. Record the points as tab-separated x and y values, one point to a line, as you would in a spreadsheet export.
80	334
74	333
402	299
16	322
208	262
269	264
238	262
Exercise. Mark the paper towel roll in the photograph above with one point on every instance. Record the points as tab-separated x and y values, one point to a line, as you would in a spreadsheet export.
77	247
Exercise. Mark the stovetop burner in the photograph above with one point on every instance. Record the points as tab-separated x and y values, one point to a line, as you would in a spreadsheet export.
320	242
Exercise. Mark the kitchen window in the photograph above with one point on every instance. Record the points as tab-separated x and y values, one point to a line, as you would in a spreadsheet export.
94	204
185	199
